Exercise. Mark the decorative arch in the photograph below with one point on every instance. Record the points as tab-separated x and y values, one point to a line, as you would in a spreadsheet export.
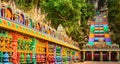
105	56
97	56
113	56
88	56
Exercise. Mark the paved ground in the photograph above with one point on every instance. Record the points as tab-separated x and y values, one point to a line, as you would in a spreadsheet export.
95	62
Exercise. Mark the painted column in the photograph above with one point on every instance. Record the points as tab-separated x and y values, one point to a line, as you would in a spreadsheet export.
14	45
61	54
84	55
55	53
101	56
92	55
118	56
47	53
0	9
109	56
34	41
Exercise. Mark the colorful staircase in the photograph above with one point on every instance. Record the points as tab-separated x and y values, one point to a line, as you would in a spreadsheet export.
99	32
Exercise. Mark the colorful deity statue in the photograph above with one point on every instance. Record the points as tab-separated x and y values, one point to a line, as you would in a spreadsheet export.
8	13
27	21
37	26
31	23
53	32
3	10
46	28
43	28
21	18
48	31
15	17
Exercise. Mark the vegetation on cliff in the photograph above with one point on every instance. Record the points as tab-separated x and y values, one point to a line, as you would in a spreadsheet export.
114	20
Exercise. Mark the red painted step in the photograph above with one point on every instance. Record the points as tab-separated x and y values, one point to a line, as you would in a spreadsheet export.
99	35
105	22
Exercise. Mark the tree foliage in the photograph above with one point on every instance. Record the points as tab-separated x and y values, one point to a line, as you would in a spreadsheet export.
62	11
27	5
69	13
114	19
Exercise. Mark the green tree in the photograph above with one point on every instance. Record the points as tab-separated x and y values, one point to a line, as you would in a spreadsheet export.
69	13
114	19
62	11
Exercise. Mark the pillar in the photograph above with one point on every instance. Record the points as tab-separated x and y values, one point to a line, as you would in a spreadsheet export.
0	9
61	53
47	53
84	55
109	56
118	56
14	46
101	56
92	55
55	47
34	41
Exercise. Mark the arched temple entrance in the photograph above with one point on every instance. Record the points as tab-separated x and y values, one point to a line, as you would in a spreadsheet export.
105	56
113	56
96	56
88	56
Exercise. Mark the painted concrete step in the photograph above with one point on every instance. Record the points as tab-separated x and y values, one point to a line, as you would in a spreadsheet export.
98	25
99	32
99	35
96	39
98	28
